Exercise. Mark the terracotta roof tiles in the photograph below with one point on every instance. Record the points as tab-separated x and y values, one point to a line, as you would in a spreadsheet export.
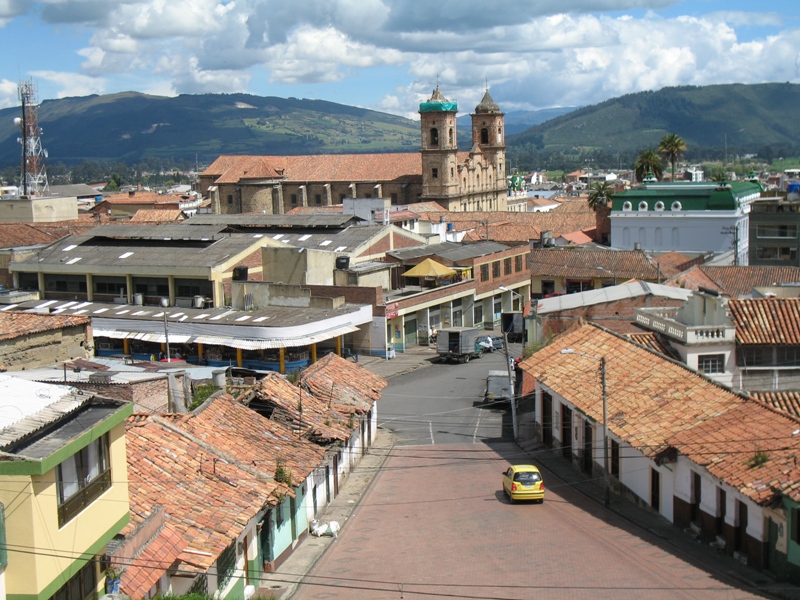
786	400
772	321
577	263
149	566
349	384
158	215
735	281
655	404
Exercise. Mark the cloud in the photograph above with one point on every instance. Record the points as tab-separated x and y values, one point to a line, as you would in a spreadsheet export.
9	95
72	84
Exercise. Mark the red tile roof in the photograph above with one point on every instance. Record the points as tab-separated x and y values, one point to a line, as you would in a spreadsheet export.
348	384
399	166
656	404
318	421
735	281
158	215
579	263
773	321
14	325
149	566
786	400
208	497
654	341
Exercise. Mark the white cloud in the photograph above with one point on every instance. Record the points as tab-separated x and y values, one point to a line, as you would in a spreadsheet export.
8	93
72	84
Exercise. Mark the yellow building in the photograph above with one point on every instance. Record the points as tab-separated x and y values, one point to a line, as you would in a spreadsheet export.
63	486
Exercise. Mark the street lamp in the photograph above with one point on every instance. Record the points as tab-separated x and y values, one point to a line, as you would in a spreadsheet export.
610	272
602	361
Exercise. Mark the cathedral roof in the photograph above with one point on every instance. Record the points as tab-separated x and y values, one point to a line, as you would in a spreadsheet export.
487	105
438	103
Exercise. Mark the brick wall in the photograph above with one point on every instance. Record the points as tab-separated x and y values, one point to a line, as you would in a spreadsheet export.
617	316
352	294
380	247
147	396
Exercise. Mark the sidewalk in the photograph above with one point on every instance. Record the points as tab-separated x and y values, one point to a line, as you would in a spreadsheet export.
683	542
415	357
283	583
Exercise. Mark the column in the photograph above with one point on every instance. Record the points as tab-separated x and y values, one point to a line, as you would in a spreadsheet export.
328	196
171	285
313	353
282	355
89	290
239	357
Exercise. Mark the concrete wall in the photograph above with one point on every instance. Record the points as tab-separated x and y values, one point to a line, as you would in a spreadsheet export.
289	265
46	209
45	348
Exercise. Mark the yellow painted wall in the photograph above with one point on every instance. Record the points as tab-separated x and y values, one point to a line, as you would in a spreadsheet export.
32	524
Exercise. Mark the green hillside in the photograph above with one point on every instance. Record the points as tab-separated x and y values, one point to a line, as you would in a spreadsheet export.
743	118
130	127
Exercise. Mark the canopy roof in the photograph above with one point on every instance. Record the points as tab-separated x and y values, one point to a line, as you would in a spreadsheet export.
430	268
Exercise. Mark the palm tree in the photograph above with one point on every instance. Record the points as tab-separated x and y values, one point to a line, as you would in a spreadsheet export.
600	194
647	162
672	147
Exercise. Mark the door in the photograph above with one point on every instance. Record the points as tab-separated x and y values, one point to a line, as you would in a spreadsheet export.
265	539
293	510
741	530
697	489
336	476
547	419
411	333
655	490
587	446
566	432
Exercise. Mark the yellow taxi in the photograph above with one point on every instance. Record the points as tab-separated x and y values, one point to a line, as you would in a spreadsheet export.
523	482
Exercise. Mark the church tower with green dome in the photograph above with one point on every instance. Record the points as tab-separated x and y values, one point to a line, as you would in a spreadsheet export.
463	181
439	146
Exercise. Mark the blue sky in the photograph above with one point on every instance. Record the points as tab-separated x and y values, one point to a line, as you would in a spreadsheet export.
389	54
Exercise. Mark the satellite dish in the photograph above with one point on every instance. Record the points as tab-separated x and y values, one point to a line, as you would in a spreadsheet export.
45	153
17	121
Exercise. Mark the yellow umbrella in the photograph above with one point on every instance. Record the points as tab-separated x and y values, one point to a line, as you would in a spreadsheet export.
430	268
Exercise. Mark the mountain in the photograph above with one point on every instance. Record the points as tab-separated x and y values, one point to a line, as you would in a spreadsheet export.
737	116
516	121
132	126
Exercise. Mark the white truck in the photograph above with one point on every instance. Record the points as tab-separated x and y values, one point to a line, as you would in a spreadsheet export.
498	385
459	343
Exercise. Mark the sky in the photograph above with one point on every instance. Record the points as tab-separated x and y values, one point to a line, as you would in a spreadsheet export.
389	55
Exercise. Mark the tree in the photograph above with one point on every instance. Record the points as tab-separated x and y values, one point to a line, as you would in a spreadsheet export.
672	147
600	194
648	161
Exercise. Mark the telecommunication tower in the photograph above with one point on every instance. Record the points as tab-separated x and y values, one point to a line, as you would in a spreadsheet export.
34	175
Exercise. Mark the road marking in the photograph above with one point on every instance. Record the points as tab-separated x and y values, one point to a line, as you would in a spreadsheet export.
430	425
477	425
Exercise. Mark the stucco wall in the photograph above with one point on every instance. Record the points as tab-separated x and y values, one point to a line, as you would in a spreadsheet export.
45	348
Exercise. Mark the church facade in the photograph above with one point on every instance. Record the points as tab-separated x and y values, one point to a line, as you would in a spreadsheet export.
458	181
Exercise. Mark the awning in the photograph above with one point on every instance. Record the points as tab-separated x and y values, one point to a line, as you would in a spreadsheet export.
230	342
430	268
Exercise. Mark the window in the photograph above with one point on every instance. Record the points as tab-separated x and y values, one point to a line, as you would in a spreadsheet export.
434	136
81	478
478	313
507	266
114	286
484	136
775	253
484	272
435	173
450	136
753	356
230	198
518	263
294	199
659	205
676	206
788	356
642	205
226	565
81	586
615	458
794	525
394	198
318	198
711	363
776	231
627	206
496	269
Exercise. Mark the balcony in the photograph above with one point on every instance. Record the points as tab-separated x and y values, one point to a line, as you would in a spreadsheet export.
662	320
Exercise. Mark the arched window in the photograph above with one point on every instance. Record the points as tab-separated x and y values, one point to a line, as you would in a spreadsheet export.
434	136
450	137
642	205
659	205
484	136
500	134
676	205
659	238
627	205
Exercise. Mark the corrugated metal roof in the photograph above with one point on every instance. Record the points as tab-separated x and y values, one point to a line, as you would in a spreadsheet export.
22	399
633	289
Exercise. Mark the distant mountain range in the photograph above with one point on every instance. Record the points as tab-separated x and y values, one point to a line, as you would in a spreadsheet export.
740	117
130	126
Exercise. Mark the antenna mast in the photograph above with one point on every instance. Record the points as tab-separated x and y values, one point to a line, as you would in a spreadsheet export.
34	175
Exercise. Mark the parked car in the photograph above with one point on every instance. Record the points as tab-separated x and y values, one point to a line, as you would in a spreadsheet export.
486	342
523	482
498	342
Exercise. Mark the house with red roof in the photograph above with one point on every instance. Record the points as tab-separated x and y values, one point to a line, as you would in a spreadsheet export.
705	458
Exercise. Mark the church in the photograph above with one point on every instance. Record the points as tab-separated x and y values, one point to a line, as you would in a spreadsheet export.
458	181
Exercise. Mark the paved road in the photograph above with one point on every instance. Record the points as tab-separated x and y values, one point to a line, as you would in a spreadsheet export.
435	523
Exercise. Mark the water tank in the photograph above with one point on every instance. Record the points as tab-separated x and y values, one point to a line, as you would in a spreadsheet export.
218	377
138	299
343	262
199	302
240	273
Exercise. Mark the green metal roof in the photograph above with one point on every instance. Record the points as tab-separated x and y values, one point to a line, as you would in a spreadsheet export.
691	196
448	106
